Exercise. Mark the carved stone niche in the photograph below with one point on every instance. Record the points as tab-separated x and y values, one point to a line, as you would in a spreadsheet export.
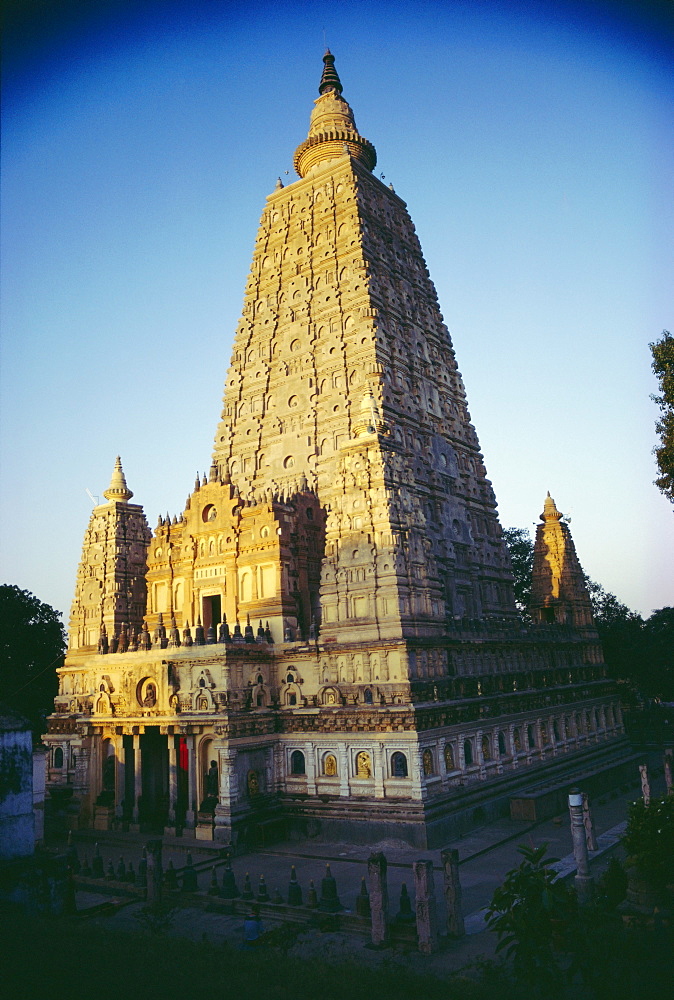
147	693
102	703
202	700
330	696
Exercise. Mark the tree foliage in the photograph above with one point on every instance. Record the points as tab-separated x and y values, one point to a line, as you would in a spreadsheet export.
557	949
663	368
658	654
620	631
32	645
526	913
521	548
649	839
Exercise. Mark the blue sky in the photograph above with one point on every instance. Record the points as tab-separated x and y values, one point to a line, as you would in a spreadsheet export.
533	144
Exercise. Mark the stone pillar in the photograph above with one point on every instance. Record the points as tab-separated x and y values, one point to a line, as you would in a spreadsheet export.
83	777
84	780
452	889
511	742
137	778
310	761
229	793
229	782
378	886
588	823
418	790
343	771
173	780
120	777
479	755
583	880
668	771
191	811
460	753
427	917
154	871
645	783
379	771
540	742
270	784
553	738
278	770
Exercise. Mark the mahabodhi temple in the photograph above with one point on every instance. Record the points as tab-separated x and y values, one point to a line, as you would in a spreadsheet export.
325	641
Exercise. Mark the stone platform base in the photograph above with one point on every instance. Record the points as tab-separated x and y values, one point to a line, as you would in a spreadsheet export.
435	822
550	797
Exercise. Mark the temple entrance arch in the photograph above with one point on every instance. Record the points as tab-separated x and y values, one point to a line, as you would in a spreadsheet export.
208	771
154	804
211	611
107	795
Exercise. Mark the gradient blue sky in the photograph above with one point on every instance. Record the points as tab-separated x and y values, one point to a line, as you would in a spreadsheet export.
533	144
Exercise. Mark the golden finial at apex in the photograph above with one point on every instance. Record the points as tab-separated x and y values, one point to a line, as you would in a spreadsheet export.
330	78
333	131
550	512
118	490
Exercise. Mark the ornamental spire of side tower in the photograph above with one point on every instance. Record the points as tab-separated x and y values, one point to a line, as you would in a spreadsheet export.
558	591
333	129
118	490
110	593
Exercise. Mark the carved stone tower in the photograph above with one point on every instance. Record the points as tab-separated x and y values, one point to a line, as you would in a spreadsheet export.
558	589
344	375
110	590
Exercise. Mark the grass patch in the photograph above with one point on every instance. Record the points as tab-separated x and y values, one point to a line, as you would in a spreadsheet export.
62	958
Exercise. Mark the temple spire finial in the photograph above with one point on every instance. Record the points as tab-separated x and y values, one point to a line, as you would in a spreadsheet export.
550	512
118	490
330	78
333	132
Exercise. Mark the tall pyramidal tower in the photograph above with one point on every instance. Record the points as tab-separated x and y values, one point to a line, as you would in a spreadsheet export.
330	643
344	377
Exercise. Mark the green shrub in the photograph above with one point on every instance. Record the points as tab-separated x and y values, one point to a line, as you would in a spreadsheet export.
531	913
649	839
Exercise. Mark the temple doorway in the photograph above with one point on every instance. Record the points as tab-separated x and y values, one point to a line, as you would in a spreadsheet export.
154	765
128	793
107	796
212	613
182	790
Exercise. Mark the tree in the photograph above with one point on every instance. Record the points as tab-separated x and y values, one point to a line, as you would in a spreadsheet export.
658	654
32	645
527	913
620	631
663	368
521	548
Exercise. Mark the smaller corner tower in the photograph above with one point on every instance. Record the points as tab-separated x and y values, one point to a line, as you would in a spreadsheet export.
559	593
110	593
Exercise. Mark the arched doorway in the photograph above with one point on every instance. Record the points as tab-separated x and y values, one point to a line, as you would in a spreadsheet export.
154	804
208	775
108	761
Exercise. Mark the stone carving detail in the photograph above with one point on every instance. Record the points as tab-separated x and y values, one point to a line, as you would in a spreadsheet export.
363	765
